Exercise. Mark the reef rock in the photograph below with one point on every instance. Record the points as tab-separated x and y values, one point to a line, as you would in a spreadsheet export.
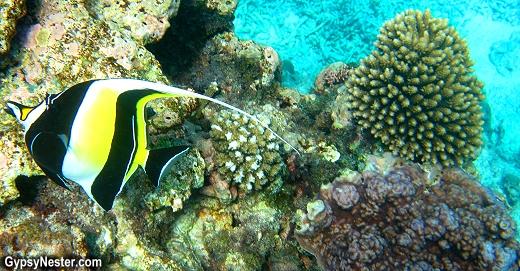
66	224
240	67
10	12
334	74
145	21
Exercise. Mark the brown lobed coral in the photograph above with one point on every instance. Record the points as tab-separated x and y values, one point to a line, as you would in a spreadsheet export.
416	91
395	221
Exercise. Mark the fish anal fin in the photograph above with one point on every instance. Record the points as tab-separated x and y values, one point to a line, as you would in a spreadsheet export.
160	161
105	202
102	191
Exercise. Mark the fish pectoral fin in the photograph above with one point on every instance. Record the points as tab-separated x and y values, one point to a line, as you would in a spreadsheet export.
57	178
160	161
48	150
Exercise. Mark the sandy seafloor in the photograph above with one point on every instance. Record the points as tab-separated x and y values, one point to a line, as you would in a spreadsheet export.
312	35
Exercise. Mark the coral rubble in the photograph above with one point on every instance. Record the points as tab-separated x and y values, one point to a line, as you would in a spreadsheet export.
504	54
401	220
416	91
10	12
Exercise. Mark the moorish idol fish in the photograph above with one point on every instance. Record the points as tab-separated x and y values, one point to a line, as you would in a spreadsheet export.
94	134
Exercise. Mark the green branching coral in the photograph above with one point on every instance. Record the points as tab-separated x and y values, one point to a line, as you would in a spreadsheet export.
416	91
246	153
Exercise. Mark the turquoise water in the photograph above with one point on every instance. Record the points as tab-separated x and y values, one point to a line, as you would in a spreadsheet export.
314	34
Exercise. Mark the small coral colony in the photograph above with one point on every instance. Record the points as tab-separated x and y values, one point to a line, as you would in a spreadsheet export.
407	117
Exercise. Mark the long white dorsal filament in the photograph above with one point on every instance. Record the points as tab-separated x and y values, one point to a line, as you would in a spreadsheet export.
246	114
138	84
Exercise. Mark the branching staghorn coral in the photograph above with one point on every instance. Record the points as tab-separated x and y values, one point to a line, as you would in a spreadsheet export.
416	91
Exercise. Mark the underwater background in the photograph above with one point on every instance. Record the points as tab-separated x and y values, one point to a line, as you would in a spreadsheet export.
311	35
355	197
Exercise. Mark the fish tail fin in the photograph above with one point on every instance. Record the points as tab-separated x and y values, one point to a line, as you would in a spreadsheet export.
159	161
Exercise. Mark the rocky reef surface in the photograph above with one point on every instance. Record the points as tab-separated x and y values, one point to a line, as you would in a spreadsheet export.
10	12
231	202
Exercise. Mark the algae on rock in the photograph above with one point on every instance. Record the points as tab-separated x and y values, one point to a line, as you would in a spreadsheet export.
10	12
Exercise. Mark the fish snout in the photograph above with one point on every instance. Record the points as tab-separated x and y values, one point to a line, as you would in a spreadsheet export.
10	108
